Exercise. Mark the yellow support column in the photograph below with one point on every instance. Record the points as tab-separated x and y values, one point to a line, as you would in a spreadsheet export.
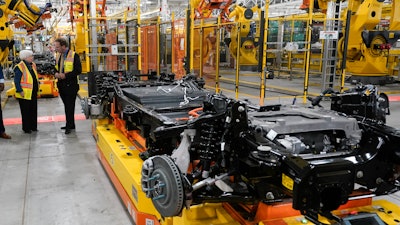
308	49
86	27
124	19
173	43
191	66
217	55
237	61
201	63
264	53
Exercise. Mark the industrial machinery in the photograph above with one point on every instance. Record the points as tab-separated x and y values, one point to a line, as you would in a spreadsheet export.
20	24
207	35
244	37
78	17
367	62
369	43
204	8
185	149
45	64
27	13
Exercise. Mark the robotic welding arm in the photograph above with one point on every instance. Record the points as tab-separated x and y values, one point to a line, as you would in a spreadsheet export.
29	14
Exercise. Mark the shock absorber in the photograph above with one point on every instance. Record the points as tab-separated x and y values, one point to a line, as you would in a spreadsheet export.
208	146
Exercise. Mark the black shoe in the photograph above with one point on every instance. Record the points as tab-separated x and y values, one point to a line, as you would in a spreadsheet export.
67	131
35	130
64	128
27	131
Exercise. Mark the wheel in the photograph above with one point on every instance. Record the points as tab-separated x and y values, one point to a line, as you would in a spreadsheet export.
162	182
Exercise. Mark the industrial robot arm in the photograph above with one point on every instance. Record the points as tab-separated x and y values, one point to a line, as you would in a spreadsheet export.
367	48
29	14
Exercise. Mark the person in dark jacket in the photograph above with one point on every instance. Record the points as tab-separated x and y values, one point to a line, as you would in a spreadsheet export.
26	90
3	133
68	66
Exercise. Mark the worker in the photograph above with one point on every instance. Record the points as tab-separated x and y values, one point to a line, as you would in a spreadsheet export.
68	66
3	133
26	90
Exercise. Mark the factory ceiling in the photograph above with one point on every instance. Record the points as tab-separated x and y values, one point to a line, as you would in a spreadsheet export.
277	7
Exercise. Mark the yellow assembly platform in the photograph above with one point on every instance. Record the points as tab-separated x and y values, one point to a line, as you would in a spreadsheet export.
120	158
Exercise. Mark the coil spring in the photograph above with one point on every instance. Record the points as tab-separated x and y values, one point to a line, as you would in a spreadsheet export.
208	146
208	142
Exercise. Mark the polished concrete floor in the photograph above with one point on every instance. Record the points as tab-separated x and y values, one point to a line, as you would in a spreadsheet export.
49	178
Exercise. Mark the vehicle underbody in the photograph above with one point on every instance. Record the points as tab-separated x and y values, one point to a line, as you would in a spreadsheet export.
206	147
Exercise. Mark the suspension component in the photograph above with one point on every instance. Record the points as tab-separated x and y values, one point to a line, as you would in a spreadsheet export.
208	146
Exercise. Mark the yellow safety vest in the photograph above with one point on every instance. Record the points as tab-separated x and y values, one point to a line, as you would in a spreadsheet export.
26	81
68	62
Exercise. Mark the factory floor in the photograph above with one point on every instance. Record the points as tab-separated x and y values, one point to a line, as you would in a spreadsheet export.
50	178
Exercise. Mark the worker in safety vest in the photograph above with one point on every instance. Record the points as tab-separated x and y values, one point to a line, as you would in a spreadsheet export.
27	88
68	66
